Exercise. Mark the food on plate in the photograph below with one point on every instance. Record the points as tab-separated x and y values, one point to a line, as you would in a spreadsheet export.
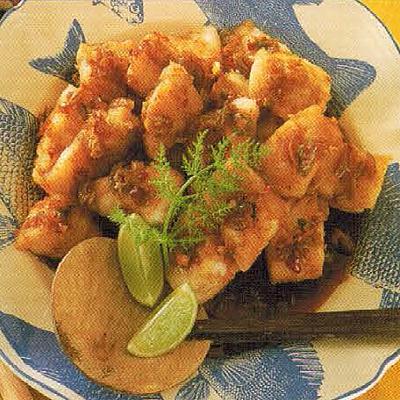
96	317
205	151
102	69
197	52
229	85
169	109
55	225
215	261
128	186
360	179
105	138
296	252
304	155
241	44
287	84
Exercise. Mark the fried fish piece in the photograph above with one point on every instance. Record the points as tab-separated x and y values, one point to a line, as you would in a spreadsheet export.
228	86
104	139
168	111
240	45
59	130
129	187
102	69
55	225
287	84
296	252
214	262
304	149
360	177
208	269
147	61
243	114
197	51
237	120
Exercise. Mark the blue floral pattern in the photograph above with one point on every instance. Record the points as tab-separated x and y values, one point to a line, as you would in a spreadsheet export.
62	64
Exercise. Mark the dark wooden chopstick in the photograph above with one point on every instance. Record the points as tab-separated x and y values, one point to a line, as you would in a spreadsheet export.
300	326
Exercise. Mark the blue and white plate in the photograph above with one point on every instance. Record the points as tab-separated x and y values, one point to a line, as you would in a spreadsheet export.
38	43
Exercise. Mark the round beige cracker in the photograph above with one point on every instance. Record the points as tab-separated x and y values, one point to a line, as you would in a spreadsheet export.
95	317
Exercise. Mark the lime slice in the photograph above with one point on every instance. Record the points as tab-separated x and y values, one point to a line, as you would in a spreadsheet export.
167	326
141	261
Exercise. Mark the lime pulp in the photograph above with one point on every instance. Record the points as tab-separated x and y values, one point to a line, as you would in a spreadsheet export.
141	262
167	326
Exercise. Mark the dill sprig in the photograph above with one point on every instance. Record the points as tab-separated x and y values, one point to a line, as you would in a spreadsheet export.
192	161
249	152
165	184
205	206
118	216
201	203
141	232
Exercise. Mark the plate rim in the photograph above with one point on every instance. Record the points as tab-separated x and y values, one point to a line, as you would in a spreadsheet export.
351	394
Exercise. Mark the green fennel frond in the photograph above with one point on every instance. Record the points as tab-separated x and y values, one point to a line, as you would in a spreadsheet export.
192	162
118	216
217	213
219	153
201	203
164	183
141	232
249	152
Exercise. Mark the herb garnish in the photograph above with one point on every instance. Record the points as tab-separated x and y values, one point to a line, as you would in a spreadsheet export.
201	203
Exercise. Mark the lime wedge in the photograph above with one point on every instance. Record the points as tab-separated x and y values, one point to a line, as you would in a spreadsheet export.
141	261
167	326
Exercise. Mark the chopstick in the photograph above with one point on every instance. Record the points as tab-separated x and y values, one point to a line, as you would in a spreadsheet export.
300	326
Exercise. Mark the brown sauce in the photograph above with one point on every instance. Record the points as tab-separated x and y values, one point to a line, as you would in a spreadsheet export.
251	295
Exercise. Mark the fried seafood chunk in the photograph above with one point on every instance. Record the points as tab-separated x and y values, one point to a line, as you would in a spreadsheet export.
208	269
168	111
147	61
240	45
102	69
58	131
214	262
251	221
54	226
130	188
243	114
296	252
287	84
236	120
360	177
303	151
267	124
104	140
197	51
229	86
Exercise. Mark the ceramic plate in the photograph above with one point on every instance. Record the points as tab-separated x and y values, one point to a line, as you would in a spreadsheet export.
38	43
